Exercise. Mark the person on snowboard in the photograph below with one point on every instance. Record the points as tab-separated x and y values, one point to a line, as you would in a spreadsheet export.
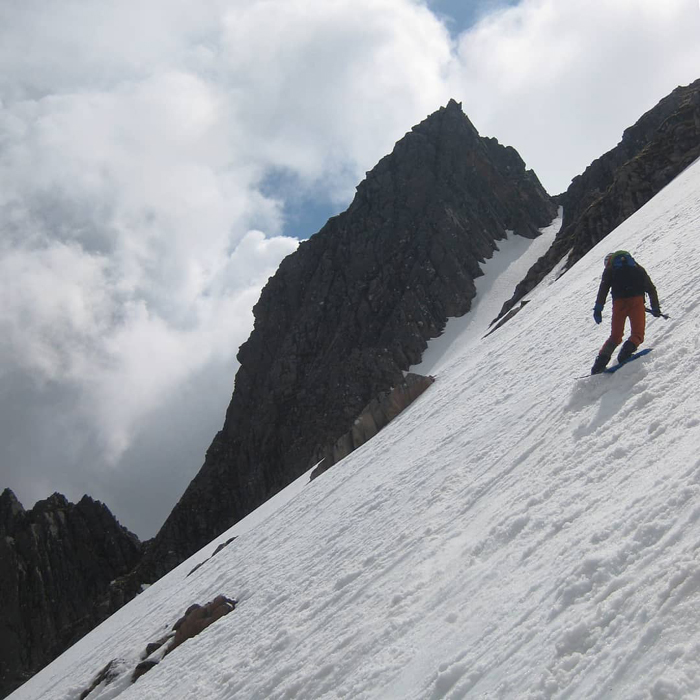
629	283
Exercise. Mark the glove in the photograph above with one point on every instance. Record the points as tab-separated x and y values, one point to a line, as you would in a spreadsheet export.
598	313
656	312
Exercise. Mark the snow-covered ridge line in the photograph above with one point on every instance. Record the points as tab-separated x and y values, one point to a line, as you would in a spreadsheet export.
513	534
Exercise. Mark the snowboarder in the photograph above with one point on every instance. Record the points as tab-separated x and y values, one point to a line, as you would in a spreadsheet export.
629	283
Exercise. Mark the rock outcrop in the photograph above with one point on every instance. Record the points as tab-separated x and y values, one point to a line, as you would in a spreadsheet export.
196	619
376	415
651	153
59	561
351	310
222	546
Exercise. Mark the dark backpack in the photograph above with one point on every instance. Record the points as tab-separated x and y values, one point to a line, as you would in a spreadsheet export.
628	278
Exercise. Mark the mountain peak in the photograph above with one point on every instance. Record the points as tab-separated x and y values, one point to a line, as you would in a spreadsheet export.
10	510
348	313
451	114
56	501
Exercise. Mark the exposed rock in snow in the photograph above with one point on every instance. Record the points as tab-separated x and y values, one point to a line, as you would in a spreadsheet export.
375	416
195	620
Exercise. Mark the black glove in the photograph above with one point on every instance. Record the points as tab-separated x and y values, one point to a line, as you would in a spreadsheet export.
656	312
598	313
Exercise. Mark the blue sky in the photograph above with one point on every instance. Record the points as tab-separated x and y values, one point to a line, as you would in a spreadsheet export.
459	16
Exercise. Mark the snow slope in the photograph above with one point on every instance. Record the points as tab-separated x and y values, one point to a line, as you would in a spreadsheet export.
515	256
516	533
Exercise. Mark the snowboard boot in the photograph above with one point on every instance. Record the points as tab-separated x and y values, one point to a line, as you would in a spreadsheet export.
601	362
626	351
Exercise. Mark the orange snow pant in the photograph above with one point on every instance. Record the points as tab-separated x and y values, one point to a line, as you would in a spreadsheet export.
631	308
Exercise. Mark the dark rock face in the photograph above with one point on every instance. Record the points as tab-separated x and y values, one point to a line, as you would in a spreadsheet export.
57	562
658	147
351	310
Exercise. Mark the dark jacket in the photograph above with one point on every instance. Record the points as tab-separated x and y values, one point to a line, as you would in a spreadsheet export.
627	281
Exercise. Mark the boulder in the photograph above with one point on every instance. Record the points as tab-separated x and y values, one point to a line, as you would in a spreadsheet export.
198	618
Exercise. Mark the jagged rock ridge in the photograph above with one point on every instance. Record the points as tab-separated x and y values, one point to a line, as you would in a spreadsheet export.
59	561
351	310
660	145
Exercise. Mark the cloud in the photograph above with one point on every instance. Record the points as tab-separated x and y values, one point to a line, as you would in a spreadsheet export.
136	228
561	81
153	156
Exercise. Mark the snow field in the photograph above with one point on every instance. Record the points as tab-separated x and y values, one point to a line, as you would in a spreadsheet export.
515	533
502	273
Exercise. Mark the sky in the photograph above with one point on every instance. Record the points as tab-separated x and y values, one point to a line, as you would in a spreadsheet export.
511	535
158	160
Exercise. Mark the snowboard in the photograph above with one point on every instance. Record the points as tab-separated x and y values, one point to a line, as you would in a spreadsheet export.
614	368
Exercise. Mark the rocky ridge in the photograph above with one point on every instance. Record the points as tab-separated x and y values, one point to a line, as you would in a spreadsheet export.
659	146
58	579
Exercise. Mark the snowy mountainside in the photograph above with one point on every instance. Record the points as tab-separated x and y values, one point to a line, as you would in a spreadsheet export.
516	533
